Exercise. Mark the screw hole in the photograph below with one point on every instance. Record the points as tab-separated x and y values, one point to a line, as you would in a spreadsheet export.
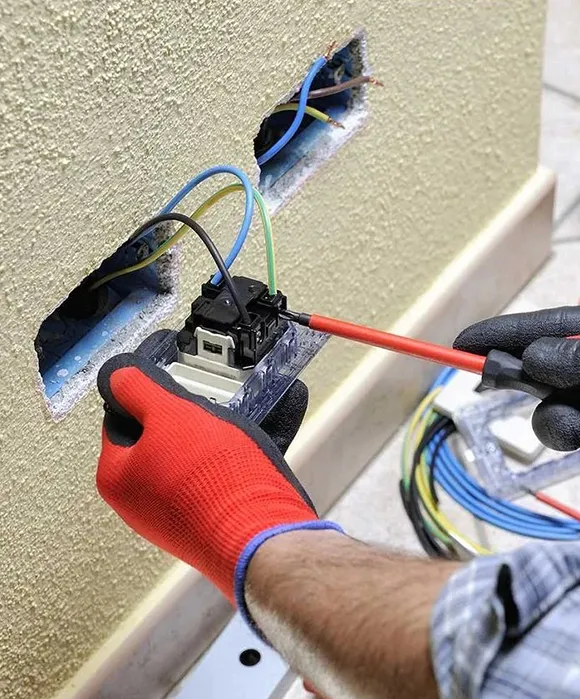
250	657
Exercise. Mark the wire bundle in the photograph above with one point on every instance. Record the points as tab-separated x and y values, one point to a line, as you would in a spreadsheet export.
300	111
301	107
251	194
178	235
428	459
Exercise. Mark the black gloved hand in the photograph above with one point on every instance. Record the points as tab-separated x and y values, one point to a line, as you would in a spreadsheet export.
283	422
538	338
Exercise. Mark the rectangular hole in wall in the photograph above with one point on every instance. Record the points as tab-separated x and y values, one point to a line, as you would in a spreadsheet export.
91	325
314	141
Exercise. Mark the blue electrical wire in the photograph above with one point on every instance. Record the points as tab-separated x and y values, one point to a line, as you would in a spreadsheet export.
501	513
222	169
495	510
475	500
248	212
294	126
467	492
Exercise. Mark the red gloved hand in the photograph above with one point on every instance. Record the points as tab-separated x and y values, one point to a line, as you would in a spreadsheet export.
192	477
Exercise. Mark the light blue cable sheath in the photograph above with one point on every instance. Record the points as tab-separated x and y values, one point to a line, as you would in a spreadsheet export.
293	128
504	506
451	475
487	510
248	213
496	511
458	480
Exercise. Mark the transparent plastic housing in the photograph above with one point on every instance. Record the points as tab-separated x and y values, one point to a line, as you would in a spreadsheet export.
271	377
493	471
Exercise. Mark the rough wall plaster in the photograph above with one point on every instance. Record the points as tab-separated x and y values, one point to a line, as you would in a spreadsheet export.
107	109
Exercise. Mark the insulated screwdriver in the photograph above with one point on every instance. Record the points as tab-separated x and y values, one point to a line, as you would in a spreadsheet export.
498	369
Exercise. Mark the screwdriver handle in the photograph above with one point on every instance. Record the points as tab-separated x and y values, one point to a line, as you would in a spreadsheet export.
502	370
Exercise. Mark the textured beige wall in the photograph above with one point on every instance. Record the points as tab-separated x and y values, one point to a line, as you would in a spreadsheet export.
106	109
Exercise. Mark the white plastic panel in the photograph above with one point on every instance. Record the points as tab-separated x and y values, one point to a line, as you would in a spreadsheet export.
220	674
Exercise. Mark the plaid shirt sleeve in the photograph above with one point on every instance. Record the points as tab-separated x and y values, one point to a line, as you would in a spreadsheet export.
509	626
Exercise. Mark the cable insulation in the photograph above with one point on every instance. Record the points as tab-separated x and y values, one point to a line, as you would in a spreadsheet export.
463	488
556	504
432	457
266	224
423	487
411	508
178	235
209	244
248	213
311	111
295	125
412	428
341	87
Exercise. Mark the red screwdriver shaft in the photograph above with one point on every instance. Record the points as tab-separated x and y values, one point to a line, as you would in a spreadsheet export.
397	343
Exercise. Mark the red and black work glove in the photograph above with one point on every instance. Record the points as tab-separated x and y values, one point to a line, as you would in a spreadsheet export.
194	478
539	340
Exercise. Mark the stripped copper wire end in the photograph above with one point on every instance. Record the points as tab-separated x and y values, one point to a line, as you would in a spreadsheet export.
330	50
334	122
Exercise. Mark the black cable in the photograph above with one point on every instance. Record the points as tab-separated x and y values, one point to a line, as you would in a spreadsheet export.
445	432
430	434
425	540
429	544
209	244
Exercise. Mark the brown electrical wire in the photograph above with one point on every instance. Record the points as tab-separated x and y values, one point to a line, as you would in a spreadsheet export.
346	85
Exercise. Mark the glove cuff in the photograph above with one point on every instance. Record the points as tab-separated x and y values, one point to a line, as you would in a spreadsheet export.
251	548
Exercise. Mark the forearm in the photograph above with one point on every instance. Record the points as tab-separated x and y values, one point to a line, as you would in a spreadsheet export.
353	619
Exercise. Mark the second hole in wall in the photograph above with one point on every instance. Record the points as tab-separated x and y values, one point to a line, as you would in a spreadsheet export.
314	141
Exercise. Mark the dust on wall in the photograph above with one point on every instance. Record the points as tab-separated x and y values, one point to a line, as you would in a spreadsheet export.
107	109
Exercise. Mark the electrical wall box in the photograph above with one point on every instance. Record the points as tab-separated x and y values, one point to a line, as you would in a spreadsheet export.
314	142
247	368
92	324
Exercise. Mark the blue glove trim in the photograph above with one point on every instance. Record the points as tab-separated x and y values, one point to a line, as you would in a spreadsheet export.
253	545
